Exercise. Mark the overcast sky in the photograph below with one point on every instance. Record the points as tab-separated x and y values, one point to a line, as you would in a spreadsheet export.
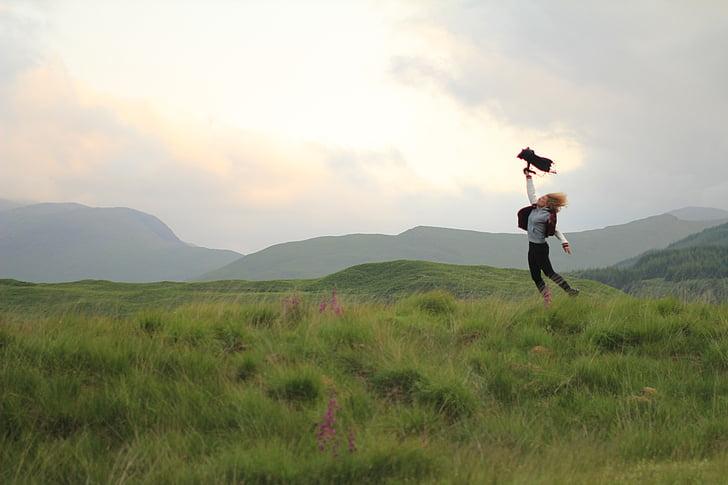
243	124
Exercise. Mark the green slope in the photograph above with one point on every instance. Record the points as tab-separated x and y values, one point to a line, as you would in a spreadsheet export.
67	242
325	255
405	277
713	236
694	267
670	264
710	290
385	281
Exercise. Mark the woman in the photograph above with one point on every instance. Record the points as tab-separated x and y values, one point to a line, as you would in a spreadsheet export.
539	220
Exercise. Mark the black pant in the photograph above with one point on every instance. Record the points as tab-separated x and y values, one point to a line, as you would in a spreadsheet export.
538	260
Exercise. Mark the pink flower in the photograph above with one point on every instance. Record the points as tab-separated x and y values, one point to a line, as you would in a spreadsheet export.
326	435
333	304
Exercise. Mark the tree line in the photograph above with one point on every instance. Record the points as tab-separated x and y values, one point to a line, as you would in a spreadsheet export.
706	262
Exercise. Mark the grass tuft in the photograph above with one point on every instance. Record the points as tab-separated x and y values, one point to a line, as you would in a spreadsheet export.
436	302
296	386
247	368
261	316
151	323
231	338
398	384
451	399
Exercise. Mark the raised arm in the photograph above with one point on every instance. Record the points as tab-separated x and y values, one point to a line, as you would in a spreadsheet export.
530	189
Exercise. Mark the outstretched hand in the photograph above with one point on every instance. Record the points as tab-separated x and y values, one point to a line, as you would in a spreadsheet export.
567	248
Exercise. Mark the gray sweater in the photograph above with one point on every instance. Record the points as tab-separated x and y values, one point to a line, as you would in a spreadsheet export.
538	218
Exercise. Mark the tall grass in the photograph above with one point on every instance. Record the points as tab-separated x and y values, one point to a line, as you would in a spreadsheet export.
432	389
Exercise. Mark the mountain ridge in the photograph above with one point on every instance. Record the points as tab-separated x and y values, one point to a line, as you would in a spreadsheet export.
692	213
322	255
69	241
53	242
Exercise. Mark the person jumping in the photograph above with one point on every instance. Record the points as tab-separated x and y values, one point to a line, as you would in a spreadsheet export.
539	220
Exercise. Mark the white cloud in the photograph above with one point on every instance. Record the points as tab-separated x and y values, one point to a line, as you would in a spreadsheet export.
638	88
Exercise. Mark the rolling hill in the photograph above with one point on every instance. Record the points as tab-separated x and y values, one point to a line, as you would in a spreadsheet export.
403	277
373	281
320	256
695	267
66	242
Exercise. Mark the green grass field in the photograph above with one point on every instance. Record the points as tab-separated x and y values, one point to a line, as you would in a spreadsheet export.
374	282
107	383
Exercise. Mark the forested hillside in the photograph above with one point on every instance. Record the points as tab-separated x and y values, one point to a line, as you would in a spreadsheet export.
713	236
669	264
694	267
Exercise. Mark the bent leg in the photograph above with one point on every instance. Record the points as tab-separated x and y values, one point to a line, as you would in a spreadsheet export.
557	278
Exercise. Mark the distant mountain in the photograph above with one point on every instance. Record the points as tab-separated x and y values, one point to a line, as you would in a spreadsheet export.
9	204
713	236
699	214
320	256
695	267
68	242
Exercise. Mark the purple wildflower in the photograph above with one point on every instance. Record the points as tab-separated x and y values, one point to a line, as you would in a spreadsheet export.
326	436
326	430
335	306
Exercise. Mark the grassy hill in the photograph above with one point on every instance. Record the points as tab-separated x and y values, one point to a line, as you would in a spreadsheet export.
67	242
693	268
398	278
318	257
373	281
712	290
428	389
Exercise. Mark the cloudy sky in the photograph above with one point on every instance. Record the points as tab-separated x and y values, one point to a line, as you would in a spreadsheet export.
242	124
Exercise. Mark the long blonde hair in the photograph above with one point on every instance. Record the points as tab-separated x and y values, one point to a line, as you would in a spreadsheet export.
556	200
